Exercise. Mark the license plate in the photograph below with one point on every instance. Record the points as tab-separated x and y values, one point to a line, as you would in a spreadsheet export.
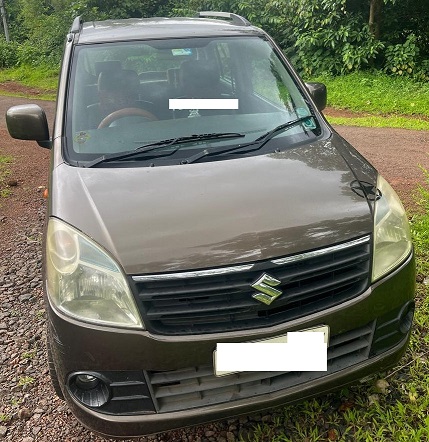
303	351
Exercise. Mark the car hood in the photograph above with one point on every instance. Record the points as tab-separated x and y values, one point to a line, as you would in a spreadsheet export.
210	214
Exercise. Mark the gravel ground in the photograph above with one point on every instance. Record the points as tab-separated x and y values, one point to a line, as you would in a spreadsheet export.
29	409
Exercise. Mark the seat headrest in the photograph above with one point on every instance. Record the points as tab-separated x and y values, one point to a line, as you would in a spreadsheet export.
199	76
119	80
109	65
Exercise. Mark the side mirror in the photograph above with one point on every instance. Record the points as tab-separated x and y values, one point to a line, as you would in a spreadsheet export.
319	94
28	122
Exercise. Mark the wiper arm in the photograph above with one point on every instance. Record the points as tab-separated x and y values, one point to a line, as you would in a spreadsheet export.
260	141
190	139
279	129
163	143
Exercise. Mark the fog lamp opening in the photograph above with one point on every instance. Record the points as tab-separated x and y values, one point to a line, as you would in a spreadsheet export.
86	381
91	389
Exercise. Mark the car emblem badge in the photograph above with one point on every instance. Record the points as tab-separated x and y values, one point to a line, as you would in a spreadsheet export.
267	292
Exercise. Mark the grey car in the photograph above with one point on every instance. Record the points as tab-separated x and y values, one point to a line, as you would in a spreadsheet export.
199	198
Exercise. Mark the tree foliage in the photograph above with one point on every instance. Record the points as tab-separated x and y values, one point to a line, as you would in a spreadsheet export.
339	36
39	26
334	36
329	37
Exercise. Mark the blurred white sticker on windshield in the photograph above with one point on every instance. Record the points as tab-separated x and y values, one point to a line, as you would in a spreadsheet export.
182	51
303	351
203	103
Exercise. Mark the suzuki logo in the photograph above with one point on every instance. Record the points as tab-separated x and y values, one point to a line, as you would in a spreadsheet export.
266	284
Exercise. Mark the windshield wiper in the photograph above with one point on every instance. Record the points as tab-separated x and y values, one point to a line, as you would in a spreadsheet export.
190	139
260	141
162	143
281	128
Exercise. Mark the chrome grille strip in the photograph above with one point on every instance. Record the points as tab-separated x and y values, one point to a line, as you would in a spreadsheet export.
320	252
195	274
247	267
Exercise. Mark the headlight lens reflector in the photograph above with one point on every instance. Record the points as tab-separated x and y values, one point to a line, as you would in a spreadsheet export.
84	282
392	237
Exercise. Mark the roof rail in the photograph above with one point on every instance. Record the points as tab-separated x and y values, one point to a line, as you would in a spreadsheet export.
236	19
77	25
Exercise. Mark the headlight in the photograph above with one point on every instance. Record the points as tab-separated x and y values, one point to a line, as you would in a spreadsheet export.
84	282
392	238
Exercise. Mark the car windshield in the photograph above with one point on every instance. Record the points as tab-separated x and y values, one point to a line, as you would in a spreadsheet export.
128	95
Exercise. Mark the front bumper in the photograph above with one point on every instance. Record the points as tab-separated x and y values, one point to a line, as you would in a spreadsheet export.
368	334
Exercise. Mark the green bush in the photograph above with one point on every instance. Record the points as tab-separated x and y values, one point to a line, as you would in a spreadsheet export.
330	38
50	35
401	59
8	53
337	51
422	70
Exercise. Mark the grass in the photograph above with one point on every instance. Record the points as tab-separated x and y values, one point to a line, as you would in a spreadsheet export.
383	100
25	381
44	79
377	93
15	402
361	415
4	418
393	121
28	355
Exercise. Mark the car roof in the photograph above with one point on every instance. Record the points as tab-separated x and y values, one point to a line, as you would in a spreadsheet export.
159	28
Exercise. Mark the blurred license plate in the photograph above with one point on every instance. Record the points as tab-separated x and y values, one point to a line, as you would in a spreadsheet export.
304	351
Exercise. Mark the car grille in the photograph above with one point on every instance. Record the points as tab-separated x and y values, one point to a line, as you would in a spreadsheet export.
220	300
198	386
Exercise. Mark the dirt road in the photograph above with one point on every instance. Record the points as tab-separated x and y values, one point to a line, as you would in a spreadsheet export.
29	411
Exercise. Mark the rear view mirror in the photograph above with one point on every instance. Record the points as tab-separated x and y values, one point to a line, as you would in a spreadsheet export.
319	94
28	122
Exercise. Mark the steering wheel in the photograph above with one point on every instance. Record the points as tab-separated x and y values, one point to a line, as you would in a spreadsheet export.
126	112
